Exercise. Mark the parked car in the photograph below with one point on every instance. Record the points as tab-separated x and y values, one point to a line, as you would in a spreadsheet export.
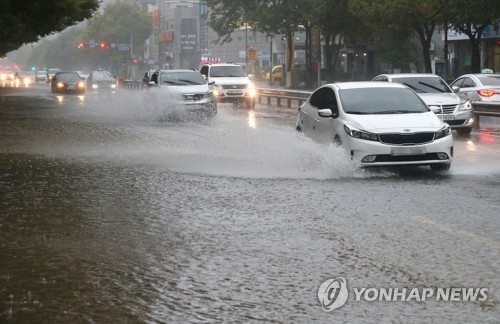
68	82
276	74
448	106
168	88
50	74
230	83
101	81
378	124
479	87
40	75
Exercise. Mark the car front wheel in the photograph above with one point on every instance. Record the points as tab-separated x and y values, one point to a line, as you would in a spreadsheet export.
440	167
464	131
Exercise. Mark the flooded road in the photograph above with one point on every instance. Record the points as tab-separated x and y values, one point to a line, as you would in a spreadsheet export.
110	216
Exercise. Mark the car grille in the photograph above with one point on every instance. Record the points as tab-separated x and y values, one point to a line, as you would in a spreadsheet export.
234	86
194	97
447	109
400	139
456	122
406	158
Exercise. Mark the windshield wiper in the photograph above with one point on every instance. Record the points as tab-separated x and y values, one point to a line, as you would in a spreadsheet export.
414	88
391	112
189	81
431	86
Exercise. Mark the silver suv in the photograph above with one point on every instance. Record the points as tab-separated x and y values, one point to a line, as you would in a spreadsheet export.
231	84
438	96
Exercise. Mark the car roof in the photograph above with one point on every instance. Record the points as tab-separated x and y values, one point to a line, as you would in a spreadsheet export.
366	84
410	75
178	70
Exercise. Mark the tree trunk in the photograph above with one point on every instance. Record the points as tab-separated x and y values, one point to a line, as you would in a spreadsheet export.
475	60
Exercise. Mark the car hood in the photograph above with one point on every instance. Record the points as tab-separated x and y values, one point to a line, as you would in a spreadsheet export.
438	99
422	122
202	88
237	80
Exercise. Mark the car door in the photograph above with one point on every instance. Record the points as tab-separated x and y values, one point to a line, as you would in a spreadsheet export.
467	88
321	127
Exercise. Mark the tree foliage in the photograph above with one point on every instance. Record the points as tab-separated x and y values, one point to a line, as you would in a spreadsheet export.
26	21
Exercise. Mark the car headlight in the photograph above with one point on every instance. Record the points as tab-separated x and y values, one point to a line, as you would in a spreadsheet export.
251	90
60	85
443	132
465	106
217	90
360	134
113	86
94	86
207	95
80	85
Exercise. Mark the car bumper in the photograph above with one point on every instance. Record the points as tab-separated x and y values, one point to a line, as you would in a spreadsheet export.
463	119
371	153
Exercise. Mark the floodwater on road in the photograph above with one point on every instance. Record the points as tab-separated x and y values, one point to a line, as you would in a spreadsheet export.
109	216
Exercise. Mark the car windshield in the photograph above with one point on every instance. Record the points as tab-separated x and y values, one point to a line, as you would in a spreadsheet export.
182	78
490	80
101	75
372	101
425	84
227	71
68	77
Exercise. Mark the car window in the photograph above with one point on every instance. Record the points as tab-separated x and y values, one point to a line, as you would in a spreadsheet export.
490	80
101	75
227	71
468	83
381	78
65	77
323	98
181	78
370	101
204	70
425	84
458	82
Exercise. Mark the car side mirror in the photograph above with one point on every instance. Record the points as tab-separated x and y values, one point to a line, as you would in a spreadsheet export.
327	112
435	109
455	88
211	82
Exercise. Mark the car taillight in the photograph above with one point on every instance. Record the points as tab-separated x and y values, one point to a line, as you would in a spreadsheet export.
487	92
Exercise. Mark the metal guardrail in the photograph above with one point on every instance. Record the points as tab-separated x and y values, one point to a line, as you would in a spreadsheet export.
280	95
482	108
132	85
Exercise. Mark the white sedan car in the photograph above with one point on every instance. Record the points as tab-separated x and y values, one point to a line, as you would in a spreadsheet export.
378	123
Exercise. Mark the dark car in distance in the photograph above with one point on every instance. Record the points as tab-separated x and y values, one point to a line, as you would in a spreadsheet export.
100	80
68	82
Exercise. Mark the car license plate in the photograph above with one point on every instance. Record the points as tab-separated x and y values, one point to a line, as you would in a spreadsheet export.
234	92
446	117
399	151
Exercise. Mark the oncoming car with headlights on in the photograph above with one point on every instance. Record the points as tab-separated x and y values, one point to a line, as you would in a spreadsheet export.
185	90
230	83
378	124
68	82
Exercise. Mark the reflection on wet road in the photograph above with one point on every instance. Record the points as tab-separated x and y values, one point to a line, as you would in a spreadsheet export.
109	216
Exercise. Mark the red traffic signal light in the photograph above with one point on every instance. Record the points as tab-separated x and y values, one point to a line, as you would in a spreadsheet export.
103	45
81	45
135	61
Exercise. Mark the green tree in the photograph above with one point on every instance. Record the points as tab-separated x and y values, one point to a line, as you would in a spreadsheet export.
120	23
26	21
338	26
422	17
472	18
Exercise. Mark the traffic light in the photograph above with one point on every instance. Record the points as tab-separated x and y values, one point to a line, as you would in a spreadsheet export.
33	68
135	61
103	45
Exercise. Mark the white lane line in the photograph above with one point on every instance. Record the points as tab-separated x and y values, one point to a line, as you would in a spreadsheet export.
459	232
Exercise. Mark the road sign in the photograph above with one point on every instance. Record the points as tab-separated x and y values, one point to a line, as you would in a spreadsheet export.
251	46
92	43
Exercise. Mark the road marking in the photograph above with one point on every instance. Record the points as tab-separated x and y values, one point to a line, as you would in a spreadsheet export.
455	231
